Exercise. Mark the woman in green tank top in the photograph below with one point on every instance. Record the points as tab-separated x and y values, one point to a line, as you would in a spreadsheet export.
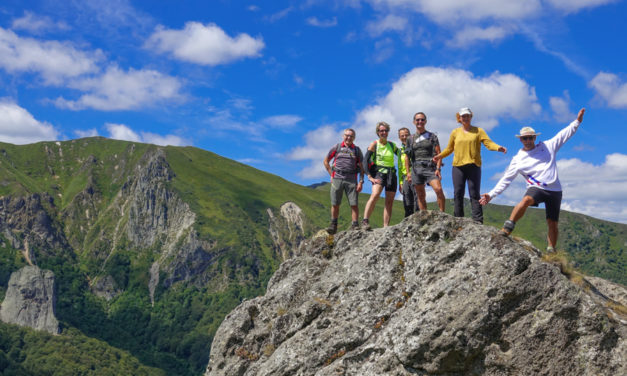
384	176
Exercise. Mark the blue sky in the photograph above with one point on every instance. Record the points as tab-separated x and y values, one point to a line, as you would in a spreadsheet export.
273	84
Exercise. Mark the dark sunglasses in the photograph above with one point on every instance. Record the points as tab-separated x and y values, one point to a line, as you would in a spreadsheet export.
420	119
526	138
383	130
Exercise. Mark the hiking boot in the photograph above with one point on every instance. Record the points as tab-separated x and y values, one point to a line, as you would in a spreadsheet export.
550	249
332	229
365	224
355	226
508	227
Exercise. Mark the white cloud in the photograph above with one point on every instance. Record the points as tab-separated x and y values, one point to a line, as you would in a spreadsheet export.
390	22
123	90
123	132
440	93
282	121
594	190
317	144
571	6
279	15
384	49
472	34
204	44
609	87
314	21
18	126
561	108
54	61
449	11
80	133
36	23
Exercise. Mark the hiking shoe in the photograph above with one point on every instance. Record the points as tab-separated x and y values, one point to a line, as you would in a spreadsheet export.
550	249
332	229
365	224
355	226
508	227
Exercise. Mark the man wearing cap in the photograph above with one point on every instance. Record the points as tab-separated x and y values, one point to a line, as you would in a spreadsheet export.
537	164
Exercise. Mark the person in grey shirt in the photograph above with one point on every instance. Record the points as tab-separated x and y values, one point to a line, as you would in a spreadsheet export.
347	163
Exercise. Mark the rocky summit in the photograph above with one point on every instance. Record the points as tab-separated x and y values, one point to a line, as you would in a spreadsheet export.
434	295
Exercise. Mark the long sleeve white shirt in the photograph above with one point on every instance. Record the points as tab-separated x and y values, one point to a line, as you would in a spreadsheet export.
539	165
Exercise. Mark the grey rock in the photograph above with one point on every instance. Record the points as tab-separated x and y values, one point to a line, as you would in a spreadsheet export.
104	287
432	295
30	300
287	230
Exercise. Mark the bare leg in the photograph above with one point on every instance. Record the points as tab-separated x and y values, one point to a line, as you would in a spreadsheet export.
387	210
422	196
439	193
335	211
355	213
372	201
520	208
553	232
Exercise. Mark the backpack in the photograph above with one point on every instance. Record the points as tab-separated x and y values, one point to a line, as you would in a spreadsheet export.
372	165
428	135
338	146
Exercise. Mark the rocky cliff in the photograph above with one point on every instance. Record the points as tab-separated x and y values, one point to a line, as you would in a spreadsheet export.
432	295
30	300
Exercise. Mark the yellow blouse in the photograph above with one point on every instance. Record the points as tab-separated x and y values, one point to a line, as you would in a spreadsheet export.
467	145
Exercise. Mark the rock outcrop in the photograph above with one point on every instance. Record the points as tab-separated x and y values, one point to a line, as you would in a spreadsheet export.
432	295
30	300
287	229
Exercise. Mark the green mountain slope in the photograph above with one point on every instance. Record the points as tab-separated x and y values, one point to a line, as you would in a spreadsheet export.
152	246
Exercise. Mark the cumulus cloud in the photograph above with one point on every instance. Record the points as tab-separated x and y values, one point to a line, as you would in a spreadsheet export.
54	61
594	190
611	89
204	44
18	126
438	92
123	90
561	108
314	21
36	23
317	144
123	132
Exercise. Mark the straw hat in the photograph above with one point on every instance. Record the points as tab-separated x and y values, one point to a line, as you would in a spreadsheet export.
527	131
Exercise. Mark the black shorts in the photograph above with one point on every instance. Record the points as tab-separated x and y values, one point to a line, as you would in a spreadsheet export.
389	181
552	201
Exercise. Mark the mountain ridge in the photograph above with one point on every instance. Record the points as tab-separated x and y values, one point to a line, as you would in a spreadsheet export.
152	246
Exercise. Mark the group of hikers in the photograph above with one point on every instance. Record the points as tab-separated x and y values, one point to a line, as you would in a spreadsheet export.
419	161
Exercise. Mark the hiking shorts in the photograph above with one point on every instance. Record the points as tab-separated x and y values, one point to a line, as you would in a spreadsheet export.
389	180
339	186
552	201
422	174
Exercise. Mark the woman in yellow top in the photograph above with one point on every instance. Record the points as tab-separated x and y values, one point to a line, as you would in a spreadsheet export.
465	142
385	175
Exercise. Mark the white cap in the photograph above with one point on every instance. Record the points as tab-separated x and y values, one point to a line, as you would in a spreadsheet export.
527	131
465	111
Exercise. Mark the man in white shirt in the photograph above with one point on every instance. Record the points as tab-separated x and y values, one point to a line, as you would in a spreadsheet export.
538	165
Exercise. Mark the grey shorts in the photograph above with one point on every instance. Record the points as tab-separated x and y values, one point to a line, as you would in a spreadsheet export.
339	186
421	175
